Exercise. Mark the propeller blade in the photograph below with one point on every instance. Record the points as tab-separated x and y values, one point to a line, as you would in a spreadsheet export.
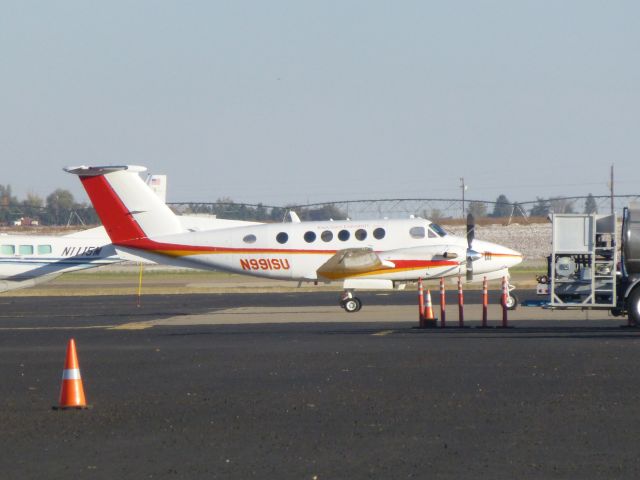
471	227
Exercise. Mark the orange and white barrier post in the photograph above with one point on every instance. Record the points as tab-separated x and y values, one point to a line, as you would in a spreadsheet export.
443	305
420	303
71	391
460	304
505	296
485	302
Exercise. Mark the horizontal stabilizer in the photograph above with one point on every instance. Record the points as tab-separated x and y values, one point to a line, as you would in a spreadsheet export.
92	171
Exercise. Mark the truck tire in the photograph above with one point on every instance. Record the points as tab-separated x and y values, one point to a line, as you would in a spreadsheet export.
633	306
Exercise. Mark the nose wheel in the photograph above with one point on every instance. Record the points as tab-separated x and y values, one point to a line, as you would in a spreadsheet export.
512	299
512	302
350	303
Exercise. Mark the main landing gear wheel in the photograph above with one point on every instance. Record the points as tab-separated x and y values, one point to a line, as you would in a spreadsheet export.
512	302
352	304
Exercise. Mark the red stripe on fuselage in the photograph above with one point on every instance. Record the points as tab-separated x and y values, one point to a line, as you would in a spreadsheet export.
119	223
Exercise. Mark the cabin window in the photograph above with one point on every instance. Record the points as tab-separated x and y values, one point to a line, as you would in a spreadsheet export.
438	229
417	232
44	249
8	249
282	237
344	235
251	238
379	233
326	236
361	234
309	237
25	249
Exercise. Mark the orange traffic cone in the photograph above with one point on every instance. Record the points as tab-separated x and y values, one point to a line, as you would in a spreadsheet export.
71	391
429	319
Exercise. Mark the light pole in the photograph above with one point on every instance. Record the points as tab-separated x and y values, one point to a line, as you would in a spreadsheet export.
463	187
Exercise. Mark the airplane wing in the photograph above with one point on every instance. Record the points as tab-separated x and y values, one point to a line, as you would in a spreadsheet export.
6	285
351	261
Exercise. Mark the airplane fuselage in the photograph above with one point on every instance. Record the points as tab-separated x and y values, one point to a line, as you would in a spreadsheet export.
25	258
408	248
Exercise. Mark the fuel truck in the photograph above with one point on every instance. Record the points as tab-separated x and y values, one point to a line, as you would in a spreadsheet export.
589	268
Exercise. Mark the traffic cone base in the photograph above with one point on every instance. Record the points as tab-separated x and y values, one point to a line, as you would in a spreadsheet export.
84	407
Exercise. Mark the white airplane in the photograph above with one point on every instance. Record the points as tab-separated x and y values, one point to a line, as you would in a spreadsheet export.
370	254
28	260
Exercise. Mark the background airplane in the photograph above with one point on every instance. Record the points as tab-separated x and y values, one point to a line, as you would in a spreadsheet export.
373	254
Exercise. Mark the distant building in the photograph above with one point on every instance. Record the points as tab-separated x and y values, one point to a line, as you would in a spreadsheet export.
26	222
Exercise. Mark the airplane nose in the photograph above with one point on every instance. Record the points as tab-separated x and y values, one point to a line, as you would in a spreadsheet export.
498	255
512	257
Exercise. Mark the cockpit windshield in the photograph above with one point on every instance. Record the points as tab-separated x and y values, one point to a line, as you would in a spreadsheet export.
438	229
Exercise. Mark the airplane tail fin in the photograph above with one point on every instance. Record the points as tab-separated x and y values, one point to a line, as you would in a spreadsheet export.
128	208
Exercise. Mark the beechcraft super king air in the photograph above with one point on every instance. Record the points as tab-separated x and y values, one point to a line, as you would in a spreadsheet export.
370	255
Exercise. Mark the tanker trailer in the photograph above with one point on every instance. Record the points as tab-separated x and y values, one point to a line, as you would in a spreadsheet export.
630	266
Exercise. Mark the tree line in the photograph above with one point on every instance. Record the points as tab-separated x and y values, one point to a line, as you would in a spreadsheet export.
60	208
227	208
541	208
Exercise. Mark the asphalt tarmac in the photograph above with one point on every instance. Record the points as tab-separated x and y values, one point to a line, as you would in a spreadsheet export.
289	386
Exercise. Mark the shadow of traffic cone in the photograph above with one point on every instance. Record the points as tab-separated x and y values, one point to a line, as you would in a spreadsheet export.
71	391
429	319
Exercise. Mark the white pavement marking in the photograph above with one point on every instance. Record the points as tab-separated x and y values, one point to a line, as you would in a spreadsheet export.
382	333
66	327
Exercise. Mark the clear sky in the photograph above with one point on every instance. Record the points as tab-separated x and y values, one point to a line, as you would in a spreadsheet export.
295	101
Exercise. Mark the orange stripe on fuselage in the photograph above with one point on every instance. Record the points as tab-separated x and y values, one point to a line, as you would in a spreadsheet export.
502	255
401	266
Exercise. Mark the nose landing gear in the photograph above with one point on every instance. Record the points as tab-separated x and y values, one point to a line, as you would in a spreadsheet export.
349	302
512	299
512	302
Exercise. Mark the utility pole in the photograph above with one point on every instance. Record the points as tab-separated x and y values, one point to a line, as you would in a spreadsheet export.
611	187
463	187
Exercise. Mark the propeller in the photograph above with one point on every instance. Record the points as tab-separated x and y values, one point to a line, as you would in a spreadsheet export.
471	254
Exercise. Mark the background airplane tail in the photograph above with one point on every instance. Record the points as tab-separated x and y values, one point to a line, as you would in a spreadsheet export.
127	207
